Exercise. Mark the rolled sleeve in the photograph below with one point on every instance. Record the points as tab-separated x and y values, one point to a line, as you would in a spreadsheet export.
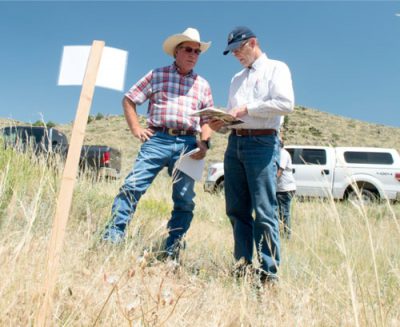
141	91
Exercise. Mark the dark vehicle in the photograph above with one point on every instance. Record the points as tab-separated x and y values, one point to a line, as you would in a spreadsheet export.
105	161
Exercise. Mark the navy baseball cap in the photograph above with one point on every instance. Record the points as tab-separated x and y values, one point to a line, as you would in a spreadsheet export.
237	36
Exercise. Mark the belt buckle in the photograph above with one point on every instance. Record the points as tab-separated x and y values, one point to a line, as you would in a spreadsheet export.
238	133
172	132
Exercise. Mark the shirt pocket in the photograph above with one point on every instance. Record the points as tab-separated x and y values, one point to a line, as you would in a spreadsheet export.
161	94
261	88
158	95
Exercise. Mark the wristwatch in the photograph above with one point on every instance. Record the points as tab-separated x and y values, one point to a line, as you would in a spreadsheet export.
207	143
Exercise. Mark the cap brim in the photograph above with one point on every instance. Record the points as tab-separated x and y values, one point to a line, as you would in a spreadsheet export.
232	46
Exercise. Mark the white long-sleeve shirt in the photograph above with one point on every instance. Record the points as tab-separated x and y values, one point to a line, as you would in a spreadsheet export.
266	89
286	181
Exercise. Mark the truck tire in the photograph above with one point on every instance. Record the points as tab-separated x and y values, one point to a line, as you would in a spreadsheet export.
219	188
366	196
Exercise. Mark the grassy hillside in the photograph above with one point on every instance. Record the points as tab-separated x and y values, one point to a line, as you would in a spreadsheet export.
303	126
313	127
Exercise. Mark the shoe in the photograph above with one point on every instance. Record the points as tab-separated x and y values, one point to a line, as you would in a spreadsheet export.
264	278
172	252
113	236
241	269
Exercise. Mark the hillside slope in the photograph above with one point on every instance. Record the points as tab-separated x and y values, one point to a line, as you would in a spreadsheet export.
303	126
313	127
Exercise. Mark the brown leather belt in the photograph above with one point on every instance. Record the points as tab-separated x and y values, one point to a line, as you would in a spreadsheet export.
173	131
253	132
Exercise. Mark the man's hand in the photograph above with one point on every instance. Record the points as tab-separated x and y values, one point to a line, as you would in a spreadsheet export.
202	153
238	111
216	124
143	134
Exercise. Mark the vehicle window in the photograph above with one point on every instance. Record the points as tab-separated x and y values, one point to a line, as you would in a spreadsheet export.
7	131
291	152
31	136
311	157
382	158
39	135
10	136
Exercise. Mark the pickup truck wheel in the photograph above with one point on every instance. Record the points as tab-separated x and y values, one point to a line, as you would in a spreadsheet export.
220	187
366	197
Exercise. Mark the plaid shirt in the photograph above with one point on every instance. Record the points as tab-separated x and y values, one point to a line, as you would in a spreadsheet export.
172	98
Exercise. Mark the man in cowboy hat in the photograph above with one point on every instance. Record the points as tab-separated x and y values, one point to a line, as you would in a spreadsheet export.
260	95
174	93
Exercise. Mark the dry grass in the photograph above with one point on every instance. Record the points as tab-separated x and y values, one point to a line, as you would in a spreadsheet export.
341	267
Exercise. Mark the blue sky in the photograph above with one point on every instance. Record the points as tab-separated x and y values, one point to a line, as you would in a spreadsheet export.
344	56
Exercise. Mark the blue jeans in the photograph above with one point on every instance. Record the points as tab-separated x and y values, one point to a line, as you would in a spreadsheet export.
250	167
162	150
284	202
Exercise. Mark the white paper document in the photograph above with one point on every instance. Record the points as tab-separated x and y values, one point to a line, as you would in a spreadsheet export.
191	167
111	72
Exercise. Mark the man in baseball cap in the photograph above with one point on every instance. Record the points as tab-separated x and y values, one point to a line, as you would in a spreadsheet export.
236	38
260	95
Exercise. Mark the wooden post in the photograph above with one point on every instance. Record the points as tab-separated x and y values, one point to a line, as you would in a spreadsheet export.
67	184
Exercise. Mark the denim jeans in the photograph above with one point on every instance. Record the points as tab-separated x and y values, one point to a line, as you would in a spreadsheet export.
250	166
162	150
284	202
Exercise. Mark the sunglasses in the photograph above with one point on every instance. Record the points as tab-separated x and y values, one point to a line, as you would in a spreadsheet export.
240	48
190	50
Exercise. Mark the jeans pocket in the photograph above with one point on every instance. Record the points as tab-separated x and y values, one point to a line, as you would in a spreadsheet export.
266	140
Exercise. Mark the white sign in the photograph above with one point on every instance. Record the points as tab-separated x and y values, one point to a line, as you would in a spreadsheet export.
111	72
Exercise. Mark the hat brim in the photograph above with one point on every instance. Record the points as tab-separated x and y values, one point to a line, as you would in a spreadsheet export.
232	46
171	42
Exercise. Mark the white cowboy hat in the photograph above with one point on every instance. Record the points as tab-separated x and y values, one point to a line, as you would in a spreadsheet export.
189	35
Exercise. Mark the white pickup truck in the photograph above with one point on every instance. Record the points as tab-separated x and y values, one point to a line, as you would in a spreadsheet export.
339	172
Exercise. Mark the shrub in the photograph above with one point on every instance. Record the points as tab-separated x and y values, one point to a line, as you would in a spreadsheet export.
49	124
99	116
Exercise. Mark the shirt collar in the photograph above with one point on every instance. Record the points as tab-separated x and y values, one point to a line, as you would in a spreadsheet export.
175	69
258	62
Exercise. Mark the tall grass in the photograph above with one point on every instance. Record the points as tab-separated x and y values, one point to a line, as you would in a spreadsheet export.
340	268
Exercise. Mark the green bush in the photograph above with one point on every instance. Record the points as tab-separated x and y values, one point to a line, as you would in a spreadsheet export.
90	119
99	116
49	124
